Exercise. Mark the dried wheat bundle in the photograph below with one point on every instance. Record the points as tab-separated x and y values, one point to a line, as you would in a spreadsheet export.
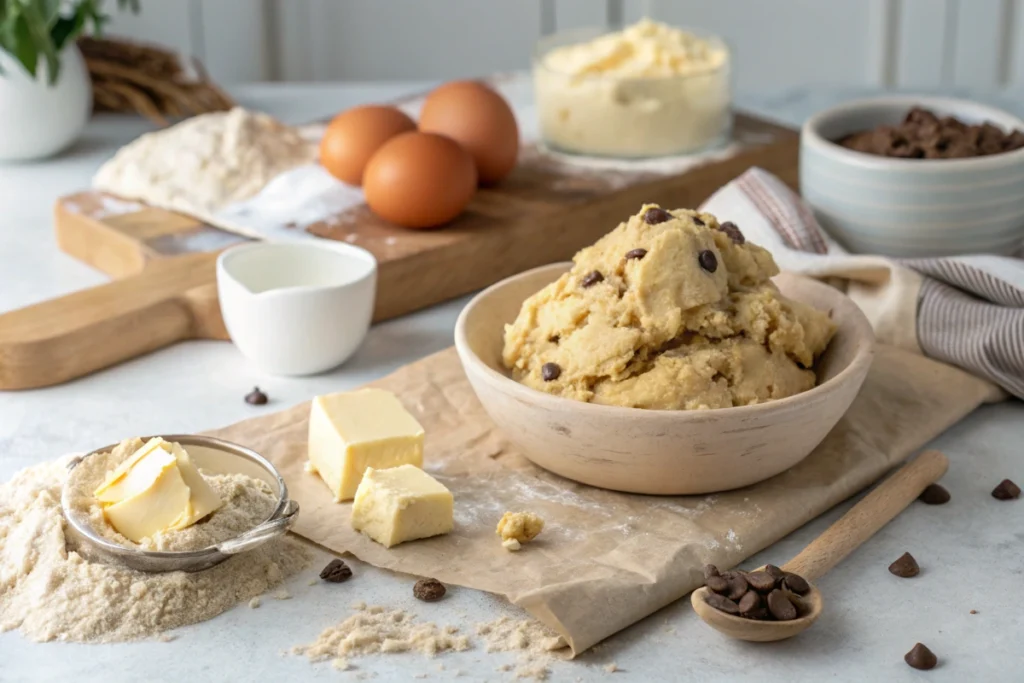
148	80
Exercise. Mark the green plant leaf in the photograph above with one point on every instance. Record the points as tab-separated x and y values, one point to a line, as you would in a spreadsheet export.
41	39
21	46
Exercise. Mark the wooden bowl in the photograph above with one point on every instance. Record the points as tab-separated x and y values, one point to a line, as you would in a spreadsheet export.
661	451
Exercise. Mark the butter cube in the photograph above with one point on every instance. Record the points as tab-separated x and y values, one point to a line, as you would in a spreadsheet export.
351	431
401	504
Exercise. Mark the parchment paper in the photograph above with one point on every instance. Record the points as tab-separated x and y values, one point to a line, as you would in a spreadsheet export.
606	560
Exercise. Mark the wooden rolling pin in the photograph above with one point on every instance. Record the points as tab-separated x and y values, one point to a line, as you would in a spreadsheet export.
74	335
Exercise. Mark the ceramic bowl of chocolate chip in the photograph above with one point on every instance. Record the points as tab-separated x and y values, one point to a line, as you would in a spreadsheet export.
667	452
916	176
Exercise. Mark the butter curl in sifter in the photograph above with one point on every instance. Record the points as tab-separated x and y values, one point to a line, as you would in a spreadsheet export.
158	488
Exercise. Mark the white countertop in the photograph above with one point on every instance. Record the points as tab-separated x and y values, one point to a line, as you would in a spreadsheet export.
970	550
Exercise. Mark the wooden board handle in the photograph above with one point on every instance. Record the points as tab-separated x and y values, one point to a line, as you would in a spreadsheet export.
865	518
65	338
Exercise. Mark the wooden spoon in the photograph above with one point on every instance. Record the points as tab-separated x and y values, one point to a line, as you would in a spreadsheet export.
851	530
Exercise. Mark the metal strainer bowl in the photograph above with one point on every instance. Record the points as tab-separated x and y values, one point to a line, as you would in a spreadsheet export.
211	455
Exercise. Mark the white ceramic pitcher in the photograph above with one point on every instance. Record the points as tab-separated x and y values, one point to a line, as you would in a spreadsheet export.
297	308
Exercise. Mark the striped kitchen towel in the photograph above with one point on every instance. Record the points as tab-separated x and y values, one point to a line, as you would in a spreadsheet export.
965	310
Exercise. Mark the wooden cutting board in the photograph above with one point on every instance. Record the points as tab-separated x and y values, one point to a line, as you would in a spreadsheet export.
544	212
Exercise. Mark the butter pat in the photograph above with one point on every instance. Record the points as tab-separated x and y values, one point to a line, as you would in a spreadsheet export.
351	431
158	488
401	504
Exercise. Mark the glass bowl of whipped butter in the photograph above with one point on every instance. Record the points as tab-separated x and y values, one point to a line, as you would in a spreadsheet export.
648	90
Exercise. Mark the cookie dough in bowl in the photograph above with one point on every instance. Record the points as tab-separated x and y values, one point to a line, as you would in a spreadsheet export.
672	311
651	449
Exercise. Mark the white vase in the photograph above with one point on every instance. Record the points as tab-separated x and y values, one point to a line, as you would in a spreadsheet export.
37	119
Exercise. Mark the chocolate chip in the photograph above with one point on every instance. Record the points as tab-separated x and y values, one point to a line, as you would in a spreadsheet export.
974	611
256	397
780	606
722	604
336	571
636	254
591	279
733	231
291	225
697	220
761	581
550	371
750	602
775	572
934	494
718	584
920	657
429	590
737	585
1006	490
905	567
708	261
796	583
654	215
709	571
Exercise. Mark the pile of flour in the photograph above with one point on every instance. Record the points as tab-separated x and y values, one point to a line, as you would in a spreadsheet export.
246	503
51	593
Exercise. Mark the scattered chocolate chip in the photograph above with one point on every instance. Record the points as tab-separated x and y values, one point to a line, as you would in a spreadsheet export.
636	254
750	602
721	603
737	585
336	571
796	583
905	567
256	397
718	584
550	371
761	581
429	590
654	215
774	572
733	231
974	611
780	606
591	279
920	657
709	571
1006	490
697	220
291	225
934	494
708	261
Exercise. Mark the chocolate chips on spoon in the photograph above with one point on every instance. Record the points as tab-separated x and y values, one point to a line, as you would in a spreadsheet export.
766	594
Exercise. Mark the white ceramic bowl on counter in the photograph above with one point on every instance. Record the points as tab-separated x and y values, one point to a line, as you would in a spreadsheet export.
912	207
661	451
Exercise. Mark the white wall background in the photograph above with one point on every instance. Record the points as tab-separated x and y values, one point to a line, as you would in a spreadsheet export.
777	43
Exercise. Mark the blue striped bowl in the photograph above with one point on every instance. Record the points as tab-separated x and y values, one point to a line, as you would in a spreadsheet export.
912	207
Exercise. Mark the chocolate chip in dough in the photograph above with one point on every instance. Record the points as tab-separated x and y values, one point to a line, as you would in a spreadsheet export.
336	571
733	231
591	279
750	603
256	397
781	606
550	371
698	221
709	571
775	572
708	261
761	581
721	603
737	585
920	657
934	494
636	254
796	583
1006	490
718	584
905	567
654	215
429	590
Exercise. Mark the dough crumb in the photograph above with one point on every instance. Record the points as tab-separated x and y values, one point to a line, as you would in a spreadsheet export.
313	581
340	663
255	602
282	594
166	637
611	667
516	528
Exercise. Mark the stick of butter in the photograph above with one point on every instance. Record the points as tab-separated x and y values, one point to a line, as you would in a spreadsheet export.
401	504
157	488
351	431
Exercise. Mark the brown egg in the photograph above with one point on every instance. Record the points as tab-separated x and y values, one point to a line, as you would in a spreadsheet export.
480	120
355	135
419	180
